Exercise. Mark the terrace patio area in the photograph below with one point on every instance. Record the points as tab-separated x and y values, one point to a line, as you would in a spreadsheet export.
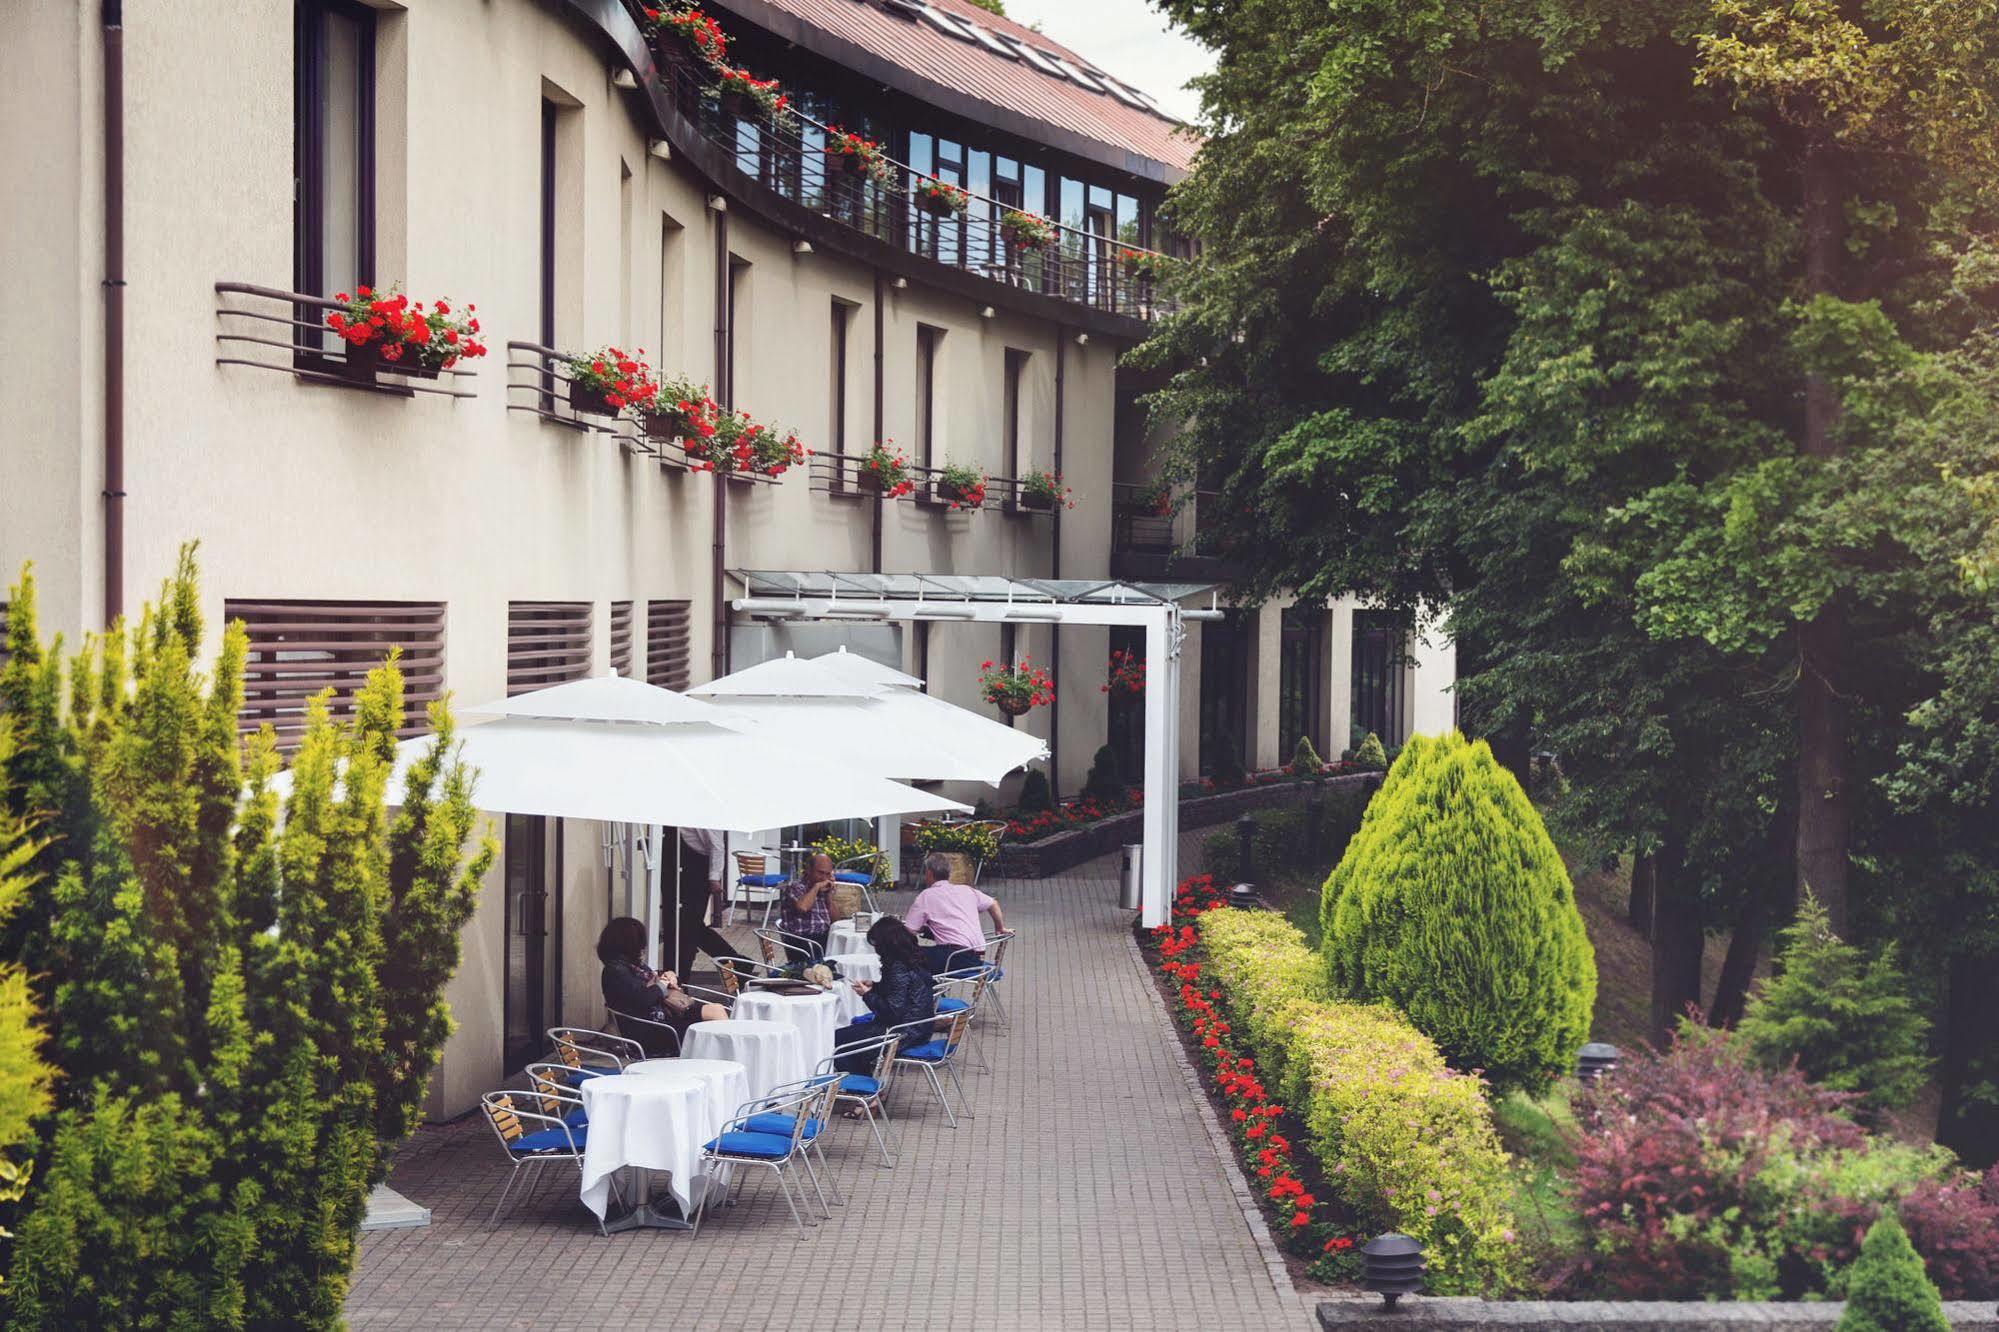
1092	1190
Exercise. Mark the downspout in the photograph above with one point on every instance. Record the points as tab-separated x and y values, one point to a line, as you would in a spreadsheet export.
114	310
880	504
1055	565
725	375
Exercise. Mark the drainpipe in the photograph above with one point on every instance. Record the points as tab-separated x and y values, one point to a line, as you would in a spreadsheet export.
725	375
114	310
880	504
1055	565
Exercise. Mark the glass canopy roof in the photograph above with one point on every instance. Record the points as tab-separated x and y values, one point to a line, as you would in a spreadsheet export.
961	588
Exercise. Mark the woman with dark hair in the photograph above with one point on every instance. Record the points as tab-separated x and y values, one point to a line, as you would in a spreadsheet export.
905	992
643	1000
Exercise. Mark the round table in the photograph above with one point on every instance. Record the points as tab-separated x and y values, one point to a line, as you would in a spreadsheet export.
848	1004
860	966
655	1118
773	1053
816	1016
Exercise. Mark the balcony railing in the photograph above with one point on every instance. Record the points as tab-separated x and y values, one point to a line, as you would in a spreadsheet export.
269	329
788	156
840	474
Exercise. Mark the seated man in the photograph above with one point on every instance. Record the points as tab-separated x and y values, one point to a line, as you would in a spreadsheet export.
949	913
807	907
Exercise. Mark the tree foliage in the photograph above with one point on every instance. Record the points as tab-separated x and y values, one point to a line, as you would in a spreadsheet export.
1888	1290
1452	904
245	1011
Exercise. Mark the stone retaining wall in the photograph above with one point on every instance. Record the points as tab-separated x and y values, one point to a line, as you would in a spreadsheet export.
1065	850
1423	1314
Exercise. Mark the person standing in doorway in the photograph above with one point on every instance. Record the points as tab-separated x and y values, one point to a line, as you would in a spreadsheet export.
704	863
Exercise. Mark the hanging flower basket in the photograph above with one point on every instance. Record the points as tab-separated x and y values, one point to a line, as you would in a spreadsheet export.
692	26
857	155
940	198
747	97
1016	689
885	471
680	409
1126	674
1043	491
1025	231
609	382
386	332
962	487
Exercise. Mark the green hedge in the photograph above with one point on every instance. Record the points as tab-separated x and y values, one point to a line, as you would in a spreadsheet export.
1404	1141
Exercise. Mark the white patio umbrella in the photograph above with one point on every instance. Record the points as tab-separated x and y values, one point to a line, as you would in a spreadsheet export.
885	730
866	670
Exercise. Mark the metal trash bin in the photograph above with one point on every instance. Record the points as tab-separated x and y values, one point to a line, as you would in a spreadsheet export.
1131	891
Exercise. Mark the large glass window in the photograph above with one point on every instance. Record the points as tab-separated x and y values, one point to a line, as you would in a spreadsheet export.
1380	678
333	147
1302	678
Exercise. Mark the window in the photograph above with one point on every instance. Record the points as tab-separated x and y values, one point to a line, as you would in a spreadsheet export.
919	651
333	146
625	255
836	388
1016	366
732	374
298	648
669	639
1380	678
667	338
1126	731
927	339
550	119
1225	668
548	643
1302	678
621	638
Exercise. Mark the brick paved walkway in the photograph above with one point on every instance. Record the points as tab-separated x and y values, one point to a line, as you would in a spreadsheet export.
1089	1192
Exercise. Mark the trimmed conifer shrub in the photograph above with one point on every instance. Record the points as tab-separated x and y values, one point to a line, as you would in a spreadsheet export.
1845	1019
1452	904
1034	793
1888	1291
1371	754
1104	782
1305	760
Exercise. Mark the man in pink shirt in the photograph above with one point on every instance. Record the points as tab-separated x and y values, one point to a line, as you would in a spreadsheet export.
951	910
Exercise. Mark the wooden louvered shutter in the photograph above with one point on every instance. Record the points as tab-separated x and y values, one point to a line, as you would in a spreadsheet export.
669	643
621	638
548	643
298	648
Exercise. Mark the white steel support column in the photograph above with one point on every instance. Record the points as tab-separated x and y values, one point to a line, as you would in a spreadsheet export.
1163	635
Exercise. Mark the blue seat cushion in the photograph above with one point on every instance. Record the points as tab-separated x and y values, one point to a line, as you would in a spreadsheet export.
929	1052
857	1084
781	1125
863	1018
853	876
545	1140
740	1143
761	880
951	1005
579	1076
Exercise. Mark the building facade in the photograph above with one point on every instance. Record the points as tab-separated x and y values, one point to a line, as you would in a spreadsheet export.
189	192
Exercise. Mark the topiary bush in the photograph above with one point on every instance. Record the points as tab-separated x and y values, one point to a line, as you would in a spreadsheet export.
1370	754
1844	1019
1305	760
1105	782
1035	794
1452	903
1406	1142
1888	1291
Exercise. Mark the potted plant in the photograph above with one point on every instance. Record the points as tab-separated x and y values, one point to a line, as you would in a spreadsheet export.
1016	688
969	845
1043	491
679	409
885	469
387	330
740	446
608	381
687	22
1138	263
1026	231
961	487
1126	674
744	95
857	155
940	198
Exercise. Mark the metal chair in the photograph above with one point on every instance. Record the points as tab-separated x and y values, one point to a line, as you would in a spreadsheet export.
738	1145
755	876
592	1054
531	1137
777	946
997	827
995	957
736	972
860	871
818	1121
549	1084
923	1048
867	1092
641	1030
964	991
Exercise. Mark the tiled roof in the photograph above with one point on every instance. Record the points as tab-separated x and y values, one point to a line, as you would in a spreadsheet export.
963	48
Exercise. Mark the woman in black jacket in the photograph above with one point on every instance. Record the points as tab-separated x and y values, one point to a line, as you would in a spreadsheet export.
633	990
905	993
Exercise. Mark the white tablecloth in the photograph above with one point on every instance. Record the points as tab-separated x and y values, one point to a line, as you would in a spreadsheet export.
657	1119
843	939
863	966
848	1004
815	1015
773	1053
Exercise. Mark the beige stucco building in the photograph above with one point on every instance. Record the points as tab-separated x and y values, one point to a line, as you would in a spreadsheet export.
540	161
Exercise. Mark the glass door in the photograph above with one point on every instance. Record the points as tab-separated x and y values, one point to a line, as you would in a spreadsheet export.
533	928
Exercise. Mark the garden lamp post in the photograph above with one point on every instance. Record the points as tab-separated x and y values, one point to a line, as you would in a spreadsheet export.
1594	1060
1391	1265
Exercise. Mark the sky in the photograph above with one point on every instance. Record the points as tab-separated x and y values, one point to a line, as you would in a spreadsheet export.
1128	39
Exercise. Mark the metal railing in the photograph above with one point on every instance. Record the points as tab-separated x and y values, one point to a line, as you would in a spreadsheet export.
269	329
841	474
788	154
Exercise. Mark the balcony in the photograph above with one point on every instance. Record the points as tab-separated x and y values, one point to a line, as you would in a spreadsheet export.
264	328
1155	536
780	170
840	474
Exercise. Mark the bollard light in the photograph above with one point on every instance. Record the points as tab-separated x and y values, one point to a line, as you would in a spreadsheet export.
1245	836
1391	1266
1594	1060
